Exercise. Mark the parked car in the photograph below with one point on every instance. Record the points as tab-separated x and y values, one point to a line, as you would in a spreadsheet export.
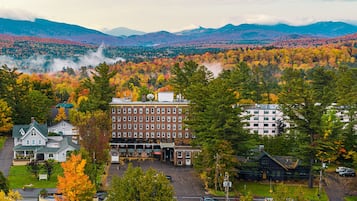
348	172
340	169
168	177
207	198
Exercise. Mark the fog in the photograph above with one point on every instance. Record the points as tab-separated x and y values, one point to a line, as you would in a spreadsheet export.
46	63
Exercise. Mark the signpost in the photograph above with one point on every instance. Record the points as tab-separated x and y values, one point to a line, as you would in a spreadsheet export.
227	184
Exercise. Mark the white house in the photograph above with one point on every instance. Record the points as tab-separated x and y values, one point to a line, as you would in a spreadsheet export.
32	142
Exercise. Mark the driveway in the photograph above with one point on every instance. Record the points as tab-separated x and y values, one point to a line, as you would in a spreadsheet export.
337	187
6	156
188	187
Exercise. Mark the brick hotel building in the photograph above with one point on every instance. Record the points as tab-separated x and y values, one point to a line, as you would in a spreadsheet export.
146	129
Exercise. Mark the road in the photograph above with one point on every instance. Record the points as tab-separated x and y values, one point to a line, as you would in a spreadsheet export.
6	156
337	187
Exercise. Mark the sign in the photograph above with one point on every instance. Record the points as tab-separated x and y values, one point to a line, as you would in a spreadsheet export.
42	177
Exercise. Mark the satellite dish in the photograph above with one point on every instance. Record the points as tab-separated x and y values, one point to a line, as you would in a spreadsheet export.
150	97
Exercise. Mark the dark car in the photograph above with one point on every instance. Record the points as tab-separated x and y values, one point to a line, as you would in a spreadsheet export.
168	177
207	198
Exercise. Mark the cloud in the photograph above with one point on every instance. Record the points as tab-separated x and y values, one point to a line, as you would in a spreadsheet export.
45	63
271	20
17	14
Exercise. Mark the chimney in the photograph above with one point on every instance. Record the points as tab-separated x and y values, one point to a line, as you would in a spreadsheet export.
32	119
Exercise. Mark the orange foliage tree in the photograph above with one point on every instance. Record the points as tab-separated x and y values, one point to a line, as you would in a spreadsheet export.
74	185
61	115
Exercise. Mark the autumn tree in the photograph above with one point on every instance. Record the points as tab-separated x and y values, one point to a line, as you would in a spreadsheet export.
61	114
138	185
10	196
93	127
74	185
5	117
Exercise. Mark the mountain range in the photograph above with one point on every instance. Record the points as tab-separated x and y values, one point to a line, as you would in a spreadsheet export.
228	34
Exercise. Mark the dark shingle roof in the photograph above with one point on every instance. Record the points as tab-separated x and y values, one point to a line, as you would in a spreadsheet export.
40	127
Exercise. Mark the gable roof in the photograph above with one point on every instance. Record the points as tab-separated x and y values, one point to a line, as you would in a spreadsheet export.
42	128
286	162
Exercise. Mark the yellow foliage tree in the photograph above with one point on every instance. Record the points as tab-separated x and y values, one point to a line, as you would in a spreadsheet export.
11	196
74	185
5	117
61	114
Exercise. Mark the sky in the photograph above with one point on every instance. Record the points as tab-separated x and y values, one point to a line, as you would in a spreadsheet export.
178	15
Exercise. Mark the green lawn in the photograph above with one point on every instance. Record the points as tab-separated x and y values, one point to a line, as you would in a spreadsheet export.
2	141
263	190
351	198
19	176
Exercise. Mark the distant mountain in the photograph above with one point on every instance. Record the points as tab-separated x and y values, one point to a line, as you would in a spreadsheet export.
48	29
123	31
228	34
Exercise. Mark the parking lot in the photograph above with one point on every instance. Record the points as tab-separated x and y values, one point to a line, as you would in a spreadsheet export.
188	187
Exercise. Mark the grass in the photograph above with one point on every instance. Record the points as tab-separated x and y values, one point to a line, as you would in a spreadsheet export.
2	141
19	177
350	198
263	190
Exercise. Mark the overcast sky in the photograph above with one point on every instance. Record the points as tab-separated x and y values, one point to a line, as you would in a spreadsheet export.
177	15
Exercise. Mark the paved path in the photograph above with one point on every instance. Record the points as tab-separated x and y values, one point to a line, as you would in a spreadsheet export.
337	187
6	156
188	187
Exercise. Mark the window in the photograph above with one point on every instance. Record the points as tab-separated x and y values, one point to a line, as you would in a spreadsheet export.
168	119
129	134
147	118
273	125
124	126
273	118
157	110
113	126
255	125
179	135
173	126
140	110
50	155
158	118
265	131
129	126
118	110
168	135
124	118
39	141
119	134
124	134
152	110
266	118
180	127
187	135
152	118
27	142
147	111
173	119
266	125
188	154
147	134
141	126
141	119
173	110
180	119
256	112
162	126
119	126
158	126
273	112
129	118
135	110
135	118
124	110
179	154
162	118
158	134
129	110
147	126
140	134
256	118
162	110
114	134
163	134
135	134
152	126
168	126
113	119
173	134
113	110
135	126
168	110
266	112
152	134
119	118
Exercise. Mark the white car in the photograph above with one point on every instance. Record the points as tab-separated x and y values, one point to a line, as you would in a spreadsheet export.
340	169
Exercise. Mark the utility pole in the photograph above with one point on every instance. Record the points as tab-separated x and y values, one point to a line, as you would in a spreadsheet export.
227	184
